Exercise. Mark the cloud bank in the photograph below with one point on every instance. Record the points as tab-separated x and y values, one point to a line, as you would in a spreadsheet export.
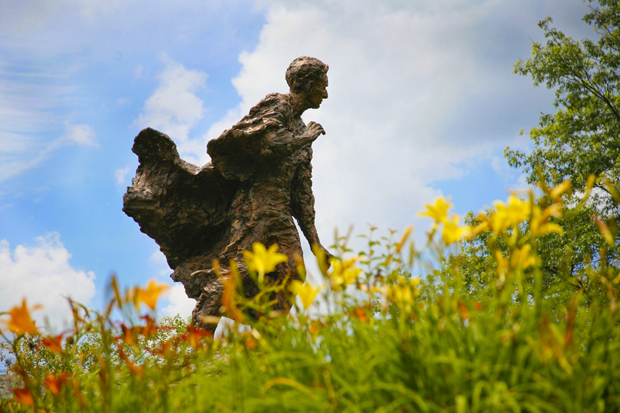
416	89
174	107
42	274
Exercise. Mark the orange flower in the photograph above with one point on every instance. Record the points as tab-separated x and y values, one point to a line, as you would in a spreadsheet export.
195	334
129	335
251	343
463	311
150	327
359	313
21	322
24	396
150	295
230	294
54	383
53	343
133	368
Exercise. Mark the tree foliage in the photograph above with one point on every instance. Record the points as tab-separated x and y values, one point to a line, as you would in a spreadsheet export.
580	142
582	137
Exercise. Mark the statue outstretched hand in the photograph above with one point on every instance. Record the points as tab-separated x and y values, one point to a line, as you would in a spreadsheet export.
313	131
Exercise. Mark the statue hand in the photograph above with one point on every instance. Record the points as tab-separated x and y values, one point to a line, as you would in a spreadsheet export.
328	257
313	130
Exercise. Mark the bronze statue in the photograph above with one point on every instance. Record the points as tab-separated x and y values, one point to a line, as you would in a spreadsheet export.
258	179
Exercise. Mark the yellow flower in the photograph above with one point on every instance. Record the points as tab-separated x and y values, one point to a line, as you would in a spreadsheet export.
502	266
522	257
438	211
150	295
403	239
509	215
452	232
21	322
344	273
560	189
605	231
539	224
480	228
305	292
403	292
263	261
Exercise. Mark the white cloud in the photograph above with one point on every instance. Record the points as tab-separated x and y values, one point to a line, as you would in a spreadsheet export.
43	275
20	153
396	76
158	259
174	108
82	135
417	90
178	303
139	72
121	176
20	17
120	102
31	129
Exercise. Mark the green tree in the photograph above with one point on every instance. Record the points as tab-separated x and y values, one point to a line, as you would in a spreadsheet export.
582	138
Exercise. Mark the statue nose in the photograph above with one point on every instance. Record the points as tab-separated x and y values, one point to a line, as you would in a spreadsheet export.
325	94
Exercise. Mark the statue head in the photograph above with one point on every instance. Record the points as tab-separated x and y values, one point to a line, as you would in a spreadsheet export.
307	77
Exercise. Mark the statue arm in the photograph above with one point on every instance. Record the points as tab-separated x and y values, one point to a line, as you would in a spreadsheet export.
303	204
272	139
263	135
266	130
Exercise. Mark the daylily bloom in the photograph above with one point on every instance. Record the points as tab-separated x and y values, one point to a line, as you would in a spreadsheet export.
55	382
24	396
605	231
522	257
403	292
344	273
53	343
403	239
21	322
305	292
509	215
150	295
560	189
539	224
438	211
229	295
452	232
195	334
262	260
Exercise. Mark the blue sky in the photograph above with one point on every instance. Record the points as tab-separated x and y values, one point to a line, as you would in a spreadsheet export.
422	103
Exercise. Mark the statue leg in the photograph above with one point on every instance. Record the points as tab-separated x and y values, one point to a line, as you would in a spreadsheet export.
208	304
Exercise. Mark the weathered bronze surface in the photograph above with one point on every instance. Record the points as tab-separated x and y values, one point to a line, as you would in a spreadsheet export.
259	178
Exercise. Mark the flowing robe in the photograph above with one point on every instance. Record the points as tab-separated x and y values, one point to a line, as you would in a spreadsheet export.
258	180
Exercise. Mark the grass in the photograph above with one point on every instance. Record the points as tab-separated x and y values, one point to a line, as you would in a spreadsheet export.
395	342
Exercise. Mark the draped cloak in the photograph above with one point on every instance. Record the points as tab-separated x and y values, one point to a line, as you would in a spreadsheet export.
258	179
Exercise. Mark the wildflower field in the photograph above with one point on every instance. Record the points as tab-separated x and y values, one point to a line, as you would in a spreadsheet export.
405	330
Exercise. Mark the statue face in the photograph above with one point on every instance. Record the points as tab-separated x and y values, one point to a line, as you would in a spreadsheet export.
317	94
